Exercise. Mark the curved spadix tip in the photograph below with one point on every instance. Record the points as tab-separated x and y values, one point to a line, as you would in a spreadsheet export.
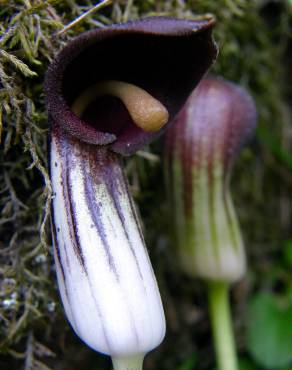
146	112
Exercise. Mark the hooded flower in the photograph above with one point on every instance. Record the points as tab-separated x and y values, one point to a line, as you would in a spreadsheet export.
201	147
111	91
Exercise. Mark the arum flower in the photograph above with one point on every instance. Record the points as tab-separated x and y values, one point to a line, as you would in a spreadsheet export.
109	92
201	148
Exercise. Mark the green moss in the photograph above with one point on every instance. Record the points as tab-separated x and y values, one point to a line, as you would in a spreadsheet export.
250	52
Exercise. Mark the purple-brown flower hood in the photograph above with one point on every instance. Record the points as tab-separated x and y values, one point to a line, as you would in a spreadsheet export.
167	57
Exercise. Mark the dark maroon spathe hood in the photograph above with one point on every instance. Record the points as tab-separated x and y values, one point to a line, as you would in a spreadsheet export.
165	56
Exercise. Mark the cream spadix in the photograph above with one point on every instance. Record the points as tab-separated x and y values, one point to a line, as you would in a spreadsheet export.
98	108
146	112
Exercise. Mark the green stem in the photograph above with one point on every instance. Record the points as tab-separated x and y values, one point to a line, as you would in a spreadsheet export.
128	363
222	326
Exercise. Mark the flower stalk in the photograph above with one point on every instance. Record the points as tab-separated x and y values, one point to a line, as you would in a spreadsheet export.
221	321
132	363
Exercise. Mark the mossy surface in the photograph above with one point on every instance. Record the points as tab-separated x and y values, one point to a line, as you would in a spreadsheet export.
253	39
